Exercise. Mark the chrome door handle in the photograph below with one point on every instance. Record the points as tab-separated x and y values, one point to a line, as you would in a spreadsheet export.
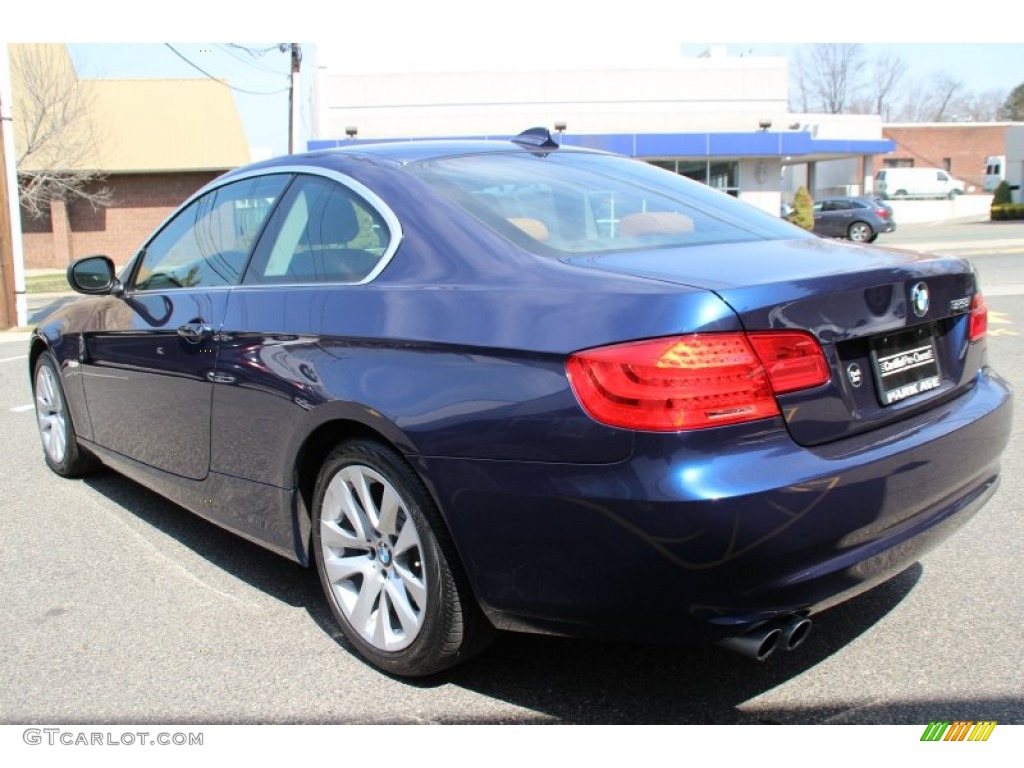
195	332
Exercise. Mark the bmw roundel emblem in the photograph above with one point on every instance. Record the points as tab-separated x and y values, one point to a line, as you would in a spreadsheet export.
919	299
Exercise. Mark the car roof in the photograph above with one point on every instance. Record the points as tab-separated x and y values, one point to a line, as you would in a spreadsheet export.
401	152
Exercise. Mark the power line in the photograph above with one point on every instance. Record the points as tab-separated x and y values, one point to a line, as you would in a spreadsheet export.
249	63
256	53
220	80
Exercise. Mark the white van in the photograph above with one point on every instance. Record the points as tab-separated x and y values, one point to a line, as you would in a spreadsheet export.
995	172
895	183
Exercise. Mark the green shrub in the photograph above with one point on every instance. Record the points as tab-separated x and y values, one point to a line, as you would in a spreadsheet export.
803	209
1002	195
1008	212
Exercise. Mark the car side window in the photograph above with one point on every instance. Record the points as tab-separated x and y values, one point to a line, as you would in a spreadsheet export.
208	243
322	232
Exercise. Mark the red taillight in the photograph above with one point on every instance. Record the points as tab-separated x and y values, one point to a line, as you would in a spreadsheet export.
689	382
882	212
793	360
979	317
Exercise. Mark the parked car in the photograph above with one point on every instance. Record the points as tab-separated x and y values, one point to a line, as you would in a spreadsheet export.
859	219
900	183
511	385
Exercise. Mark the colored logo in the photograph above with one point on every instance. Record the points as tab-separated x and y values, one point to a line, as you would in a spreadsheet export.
961	730
919	299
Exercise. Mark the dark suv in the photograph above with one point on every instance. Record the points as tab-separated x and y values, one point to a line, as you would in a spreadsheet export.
859	219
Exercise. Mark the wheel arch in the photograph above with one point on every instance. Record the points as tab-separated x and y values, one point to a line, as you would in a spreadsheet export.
310	457
37	347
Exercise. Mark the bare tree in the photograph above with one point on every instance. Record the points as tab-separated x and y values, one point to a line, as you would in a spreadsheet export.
829	76
888	71
930	101
975	106
55	131
945	88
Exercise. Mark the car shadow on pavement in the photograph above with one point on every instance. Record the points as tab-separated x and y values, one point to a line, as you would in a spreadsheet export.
575	681
268	572
556	680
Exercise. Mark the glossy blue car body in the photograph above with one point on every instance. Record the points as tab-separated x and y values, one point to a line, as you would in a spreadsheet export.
455	353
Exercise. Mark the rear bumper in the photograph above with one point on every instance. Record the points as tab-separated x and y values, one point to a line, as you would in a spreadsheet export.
703	535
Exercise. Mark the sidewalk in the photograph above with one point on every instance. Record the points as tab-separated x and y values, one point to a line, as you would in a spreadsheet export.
963	237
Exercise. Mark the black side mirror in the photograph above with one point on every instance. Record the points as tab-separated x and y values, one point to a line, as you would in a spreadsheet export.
93	275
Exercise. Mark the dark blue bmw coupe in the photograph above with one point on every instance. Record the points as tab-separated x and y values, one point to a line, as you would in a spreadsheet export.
510	385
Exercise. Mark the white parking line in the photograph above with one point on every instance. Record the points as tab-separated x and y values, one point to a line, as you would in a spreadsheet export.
12	359
22	408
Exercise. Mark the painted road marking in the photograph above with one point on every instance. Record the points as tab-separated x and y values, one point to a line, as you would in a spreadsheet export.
1000	318
12	359
22	408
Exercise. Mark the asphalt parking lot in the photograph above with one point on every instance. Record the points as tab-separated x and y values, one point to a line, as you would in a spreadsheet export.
120	607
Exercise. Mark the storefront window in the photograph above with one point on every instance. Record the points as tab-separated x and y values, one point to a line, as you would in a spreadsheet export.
722	175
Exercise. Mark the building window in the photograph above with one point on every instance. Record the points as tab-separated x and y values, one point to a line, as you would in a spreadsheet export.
898	162
947	164
722	175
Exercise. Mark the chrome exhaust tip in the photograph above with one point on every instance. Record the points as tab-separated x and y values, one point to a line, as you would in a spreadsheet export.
758	644
794	632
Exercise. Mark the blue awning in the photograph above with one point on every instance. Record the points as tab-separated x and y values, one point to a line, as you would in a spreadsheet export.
782	144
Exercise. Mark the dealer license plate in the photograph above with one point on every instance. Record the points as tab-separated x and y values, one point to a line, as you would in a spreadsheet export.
905	364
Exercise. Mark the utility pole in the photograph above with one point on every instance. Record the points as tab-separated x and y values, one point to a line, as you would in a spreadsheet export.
13	307
8	313
293	97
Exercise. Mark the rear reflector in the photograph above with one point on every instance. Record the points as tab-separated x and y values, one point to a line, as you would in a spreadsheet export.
979	317
690	382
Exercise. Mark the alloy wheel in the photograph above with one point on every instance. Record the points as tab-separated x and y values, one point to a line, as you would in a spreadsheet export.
50	413
373	558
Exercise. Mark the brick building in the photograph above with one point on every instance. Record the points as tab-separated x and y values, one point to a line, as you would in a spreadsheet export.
154	141
960	148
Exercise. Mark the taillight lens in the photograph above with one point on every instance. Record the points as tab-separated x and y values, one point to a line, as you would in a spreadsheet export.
882	212
979	317
690	382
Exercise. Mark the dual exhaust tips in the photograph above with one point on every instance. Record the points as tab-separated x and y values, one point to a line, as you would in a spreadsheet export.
758	644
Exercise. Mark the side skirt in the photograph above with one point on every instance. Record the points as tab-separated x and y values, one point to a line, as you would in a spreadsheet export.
263	514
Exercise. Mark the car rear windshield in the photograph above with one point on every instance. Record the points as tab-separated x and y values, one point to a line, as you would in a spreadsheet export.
572	203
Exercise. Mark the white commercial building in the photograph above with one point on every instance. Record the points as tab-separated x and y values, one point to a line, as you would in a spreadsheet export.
721	120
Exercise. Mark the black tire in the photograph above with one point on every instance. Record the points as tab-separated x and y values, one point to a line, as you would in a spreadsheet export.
61	450
387	566
861	232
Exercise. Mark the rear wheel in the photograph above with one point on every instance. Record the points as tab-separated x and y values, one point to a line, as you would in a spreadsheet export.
387	567
861	232
56	432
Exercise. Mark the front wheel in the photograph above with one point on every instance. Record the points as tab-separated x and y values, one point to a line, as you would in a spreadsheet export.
387	567
860	232
56	431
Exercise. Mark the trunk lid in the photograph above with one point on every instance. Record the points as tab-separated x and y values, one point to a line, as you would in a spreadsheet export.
893	325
